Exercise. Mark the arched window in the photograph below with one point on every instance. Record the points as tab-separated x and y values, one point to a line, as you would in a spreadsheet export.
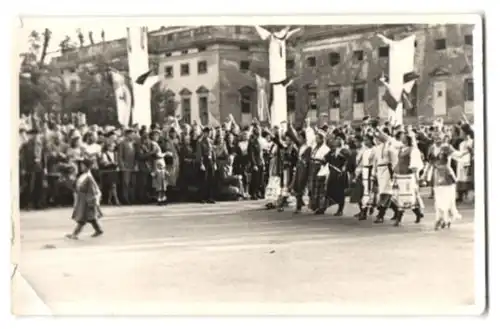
186	105
246	96
246	100
203	94
170	103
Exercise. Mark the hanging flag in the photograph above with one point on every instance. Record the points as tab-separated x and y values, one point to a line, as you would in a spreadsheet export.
147	79
401	72
123	97
129	43
144	36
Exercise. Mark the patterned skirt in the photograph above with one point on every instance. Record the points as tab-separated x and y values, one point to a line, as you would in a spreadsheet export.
317	189
367	200
405	191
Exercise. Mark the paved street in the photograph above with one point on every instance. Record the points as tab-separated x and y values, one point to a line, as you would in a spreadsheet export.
156	260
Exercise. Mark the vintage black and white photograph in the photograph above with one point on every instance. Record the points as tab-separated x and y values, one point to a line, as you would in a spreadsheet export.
295	166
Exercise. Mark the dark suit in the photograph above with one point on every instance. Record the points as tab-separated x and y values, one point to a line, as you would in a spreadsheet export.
256	157
127	162
205	158
35	162
301	176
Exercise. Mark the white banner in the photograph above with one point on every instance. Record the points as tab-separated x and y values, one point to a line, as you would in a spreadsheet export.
123	98
138	63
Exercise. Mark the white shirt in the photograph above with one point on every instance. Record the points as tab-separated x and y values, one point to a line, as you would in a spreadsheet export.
243	146
93	149
321	152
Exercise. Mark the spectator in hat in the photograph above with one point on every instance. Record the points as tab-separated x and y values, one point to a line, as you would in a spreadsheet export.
465	165
108	165
33	154
170	146
127	164
205	158
92	151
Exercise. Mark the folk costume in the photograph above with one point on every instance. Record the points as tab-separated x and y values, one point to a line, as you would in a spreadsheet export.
289	160
365	178
385	158
276	189
338	179
405	193
318	174
242	163
445	187
301	172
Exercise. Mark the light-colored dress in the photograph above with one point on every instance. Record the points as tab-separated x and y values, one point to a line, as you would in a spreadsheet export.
160	176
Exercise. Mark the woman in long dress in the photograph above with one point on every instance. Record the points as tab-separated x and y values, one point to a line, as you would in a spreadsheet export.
301	173
318	179
445	185
87	206
338	179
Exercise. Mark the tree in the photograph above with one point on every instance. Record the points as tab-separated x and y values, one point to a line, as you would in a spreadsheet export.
66	45
32	94
81	38
47	34
91	37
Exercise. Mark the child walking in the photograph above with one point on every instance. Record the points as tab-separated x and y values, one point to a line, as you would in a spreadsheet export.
87	206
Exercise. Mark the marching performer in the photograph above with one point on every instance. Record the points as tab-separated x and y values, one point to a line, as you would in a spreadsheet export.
385	159
290	155
405	175
364	174
338	179
445	186
87	205
318	173
301	173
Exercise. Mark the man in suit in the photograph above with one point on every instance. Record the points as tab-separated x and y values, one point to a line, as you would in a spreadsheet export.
256	155
205	158
34	161
127	165
144	155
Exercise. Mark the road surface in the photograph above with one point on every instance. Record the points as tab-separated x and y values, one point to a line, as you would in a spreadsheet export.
214	259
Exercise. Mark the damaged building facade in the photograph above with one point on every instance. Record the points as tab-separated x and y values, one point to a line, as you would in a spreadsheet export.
208	72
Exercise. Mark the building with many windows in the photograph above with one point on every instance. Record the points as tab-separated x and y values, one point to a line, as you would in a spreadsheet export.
339	74
208	72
